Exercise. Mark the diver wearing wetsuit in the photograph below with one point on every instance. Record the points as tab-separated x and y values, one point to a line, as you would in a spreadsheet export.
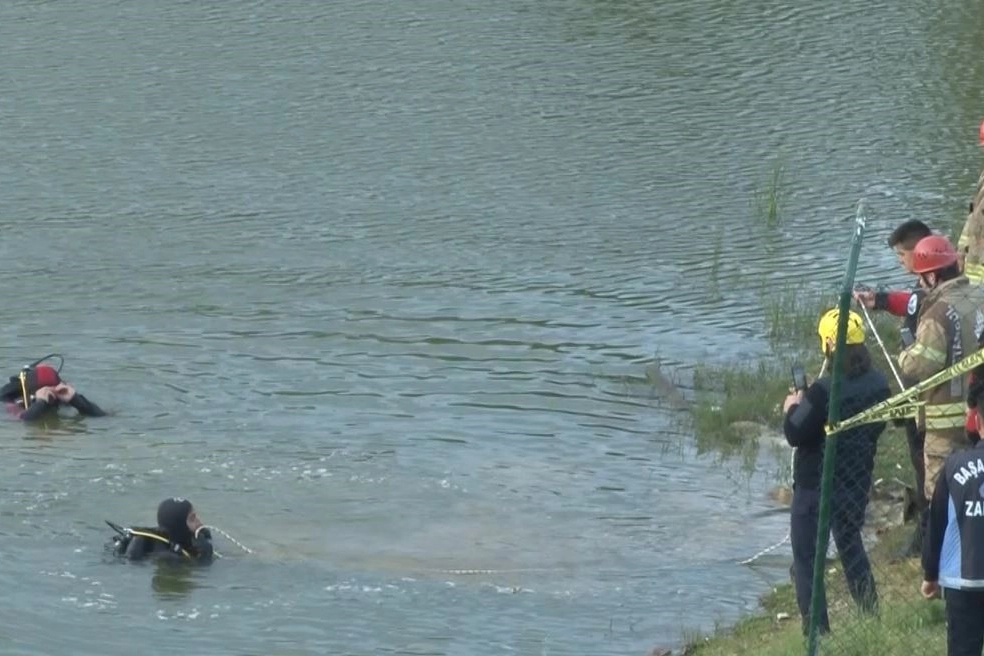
179	534
39	389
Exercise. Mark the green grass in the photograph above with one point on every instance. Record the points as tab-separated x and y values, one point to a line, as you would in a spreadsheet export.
906	623
770	198
730	396
791	315
725	395
715	274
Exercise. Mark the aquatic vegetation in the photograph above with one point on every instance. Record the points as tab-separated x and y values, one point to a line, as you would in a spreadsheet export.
715	274
769	199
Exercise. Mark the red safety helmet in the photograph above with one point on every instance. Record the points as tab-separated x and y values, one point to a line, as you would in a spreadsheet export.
933	253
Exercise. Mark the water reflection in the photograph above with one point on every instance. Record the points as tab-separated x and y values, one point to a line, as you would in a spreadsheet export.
173	580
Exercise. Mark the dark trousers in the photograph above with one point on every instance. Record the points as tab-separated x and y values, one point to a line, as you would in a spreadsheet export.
964	622
916	439
846	520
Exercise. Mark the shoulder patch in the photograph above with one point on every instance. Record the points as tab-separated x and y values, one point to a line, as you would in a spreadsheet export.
913	306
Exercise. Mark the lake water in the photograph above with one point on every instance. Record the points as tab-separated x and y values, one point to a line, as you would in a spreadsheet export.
375	285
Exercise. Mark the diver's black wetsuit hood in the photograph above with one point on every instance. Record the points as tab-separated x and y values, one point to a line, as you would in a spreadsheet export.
172	518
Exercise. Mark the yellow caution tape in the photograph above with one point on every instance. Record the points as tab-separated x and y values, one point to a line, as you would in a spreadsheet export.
907	398
904	411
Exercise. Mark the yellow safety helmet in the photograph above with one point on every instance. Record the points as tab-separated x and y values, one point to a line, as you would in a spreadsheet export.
827	329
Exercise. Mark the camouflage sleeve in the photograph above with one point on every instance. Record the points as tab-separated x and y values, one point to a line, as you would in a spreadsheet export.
927	355
971	242
964	240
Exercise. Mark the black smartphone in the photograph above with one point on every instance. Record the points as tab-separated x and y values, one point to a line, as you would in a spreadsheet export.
907	337
799	378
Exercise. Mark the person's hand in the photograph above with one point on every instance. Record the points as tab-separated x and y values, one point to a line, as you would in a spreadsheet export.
930	589
865	298
793	399
64	392
194	523
47	394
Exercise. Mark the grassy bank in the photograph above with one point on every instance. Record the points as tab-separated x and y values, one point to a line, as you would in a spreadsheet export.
906	623
727	399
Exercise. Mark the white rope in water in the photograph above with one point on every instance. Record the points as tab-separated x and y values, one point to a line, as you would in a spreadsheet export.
473	572
231	539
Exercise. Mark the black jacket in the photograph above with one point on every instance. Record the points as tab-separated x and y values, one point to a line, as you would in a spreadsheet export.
804	428
139	543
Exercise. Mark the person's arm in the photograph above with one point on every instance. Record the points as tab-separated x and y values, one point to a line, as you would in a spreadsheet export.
804	422
44	400
67	394
85	407
935	529
928	354
896	303
202	543
138	548
970	426
36	411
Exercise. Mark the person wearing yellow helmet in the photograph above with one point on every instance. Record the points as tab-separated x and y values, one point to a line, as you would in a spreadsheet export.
804	426
827	330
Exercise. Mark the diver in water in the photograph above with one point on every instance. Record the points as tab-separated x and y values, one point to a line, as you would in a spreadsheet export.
38	390
179	534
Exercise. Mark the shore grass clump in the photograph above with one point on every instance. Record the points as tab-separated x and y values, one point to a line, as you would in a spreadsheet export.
729	394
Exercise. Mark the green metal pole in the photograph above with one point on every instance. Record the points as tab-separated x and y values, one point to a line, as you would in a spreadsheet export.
833	416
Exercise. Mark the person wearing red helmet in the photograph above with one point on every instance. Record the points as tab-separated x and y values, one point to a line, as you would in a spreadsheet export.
906	304
39	390
950	321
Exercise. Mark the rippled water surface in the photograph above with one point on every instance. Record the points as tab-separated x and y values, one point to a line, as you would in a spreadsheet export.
376	284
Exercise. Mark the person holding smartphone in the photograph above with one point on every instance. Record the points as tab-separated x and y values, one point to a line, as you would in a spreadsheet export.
804	426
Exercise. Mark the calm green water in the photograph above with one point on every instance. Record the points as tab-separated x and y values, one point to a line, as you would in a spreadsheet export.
375	285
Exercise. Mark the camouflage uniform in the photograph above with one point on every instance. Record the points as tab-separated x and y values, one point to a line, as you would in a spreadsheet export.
971	242
950	320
